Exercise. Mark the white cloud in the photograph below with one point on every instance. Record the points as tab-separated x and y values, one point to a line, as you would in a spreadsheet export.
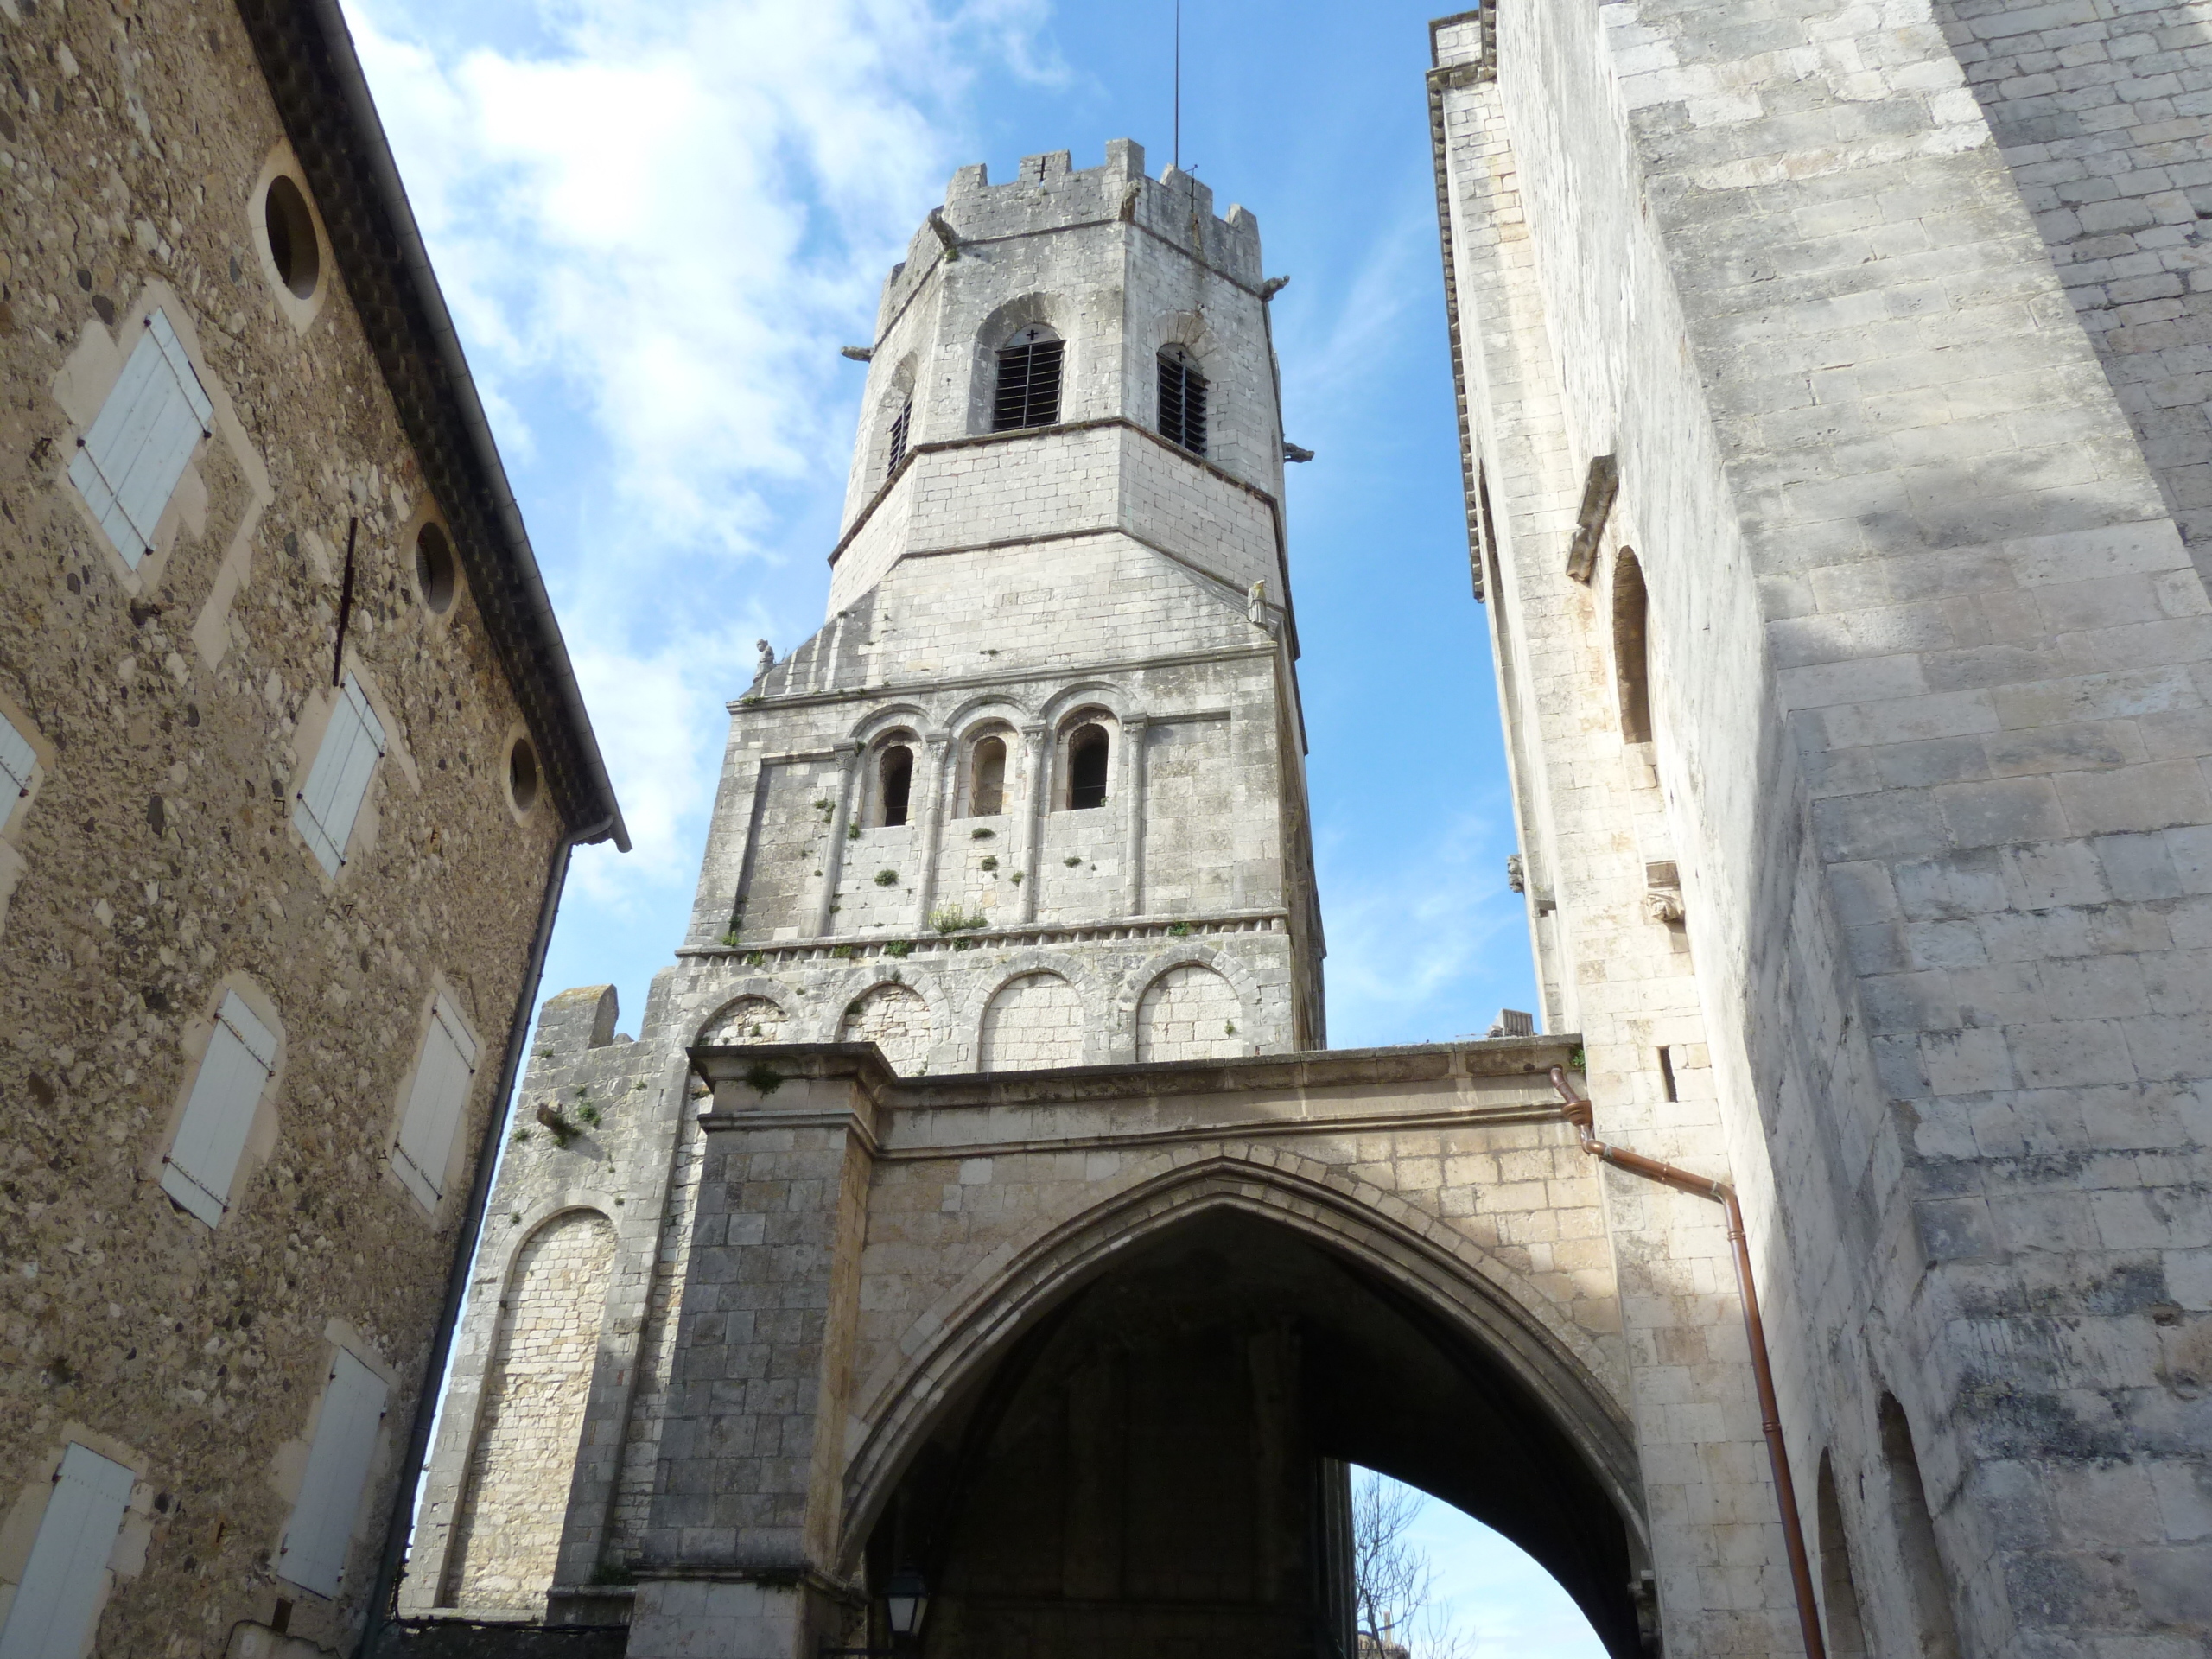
655	225
678	214
1409	932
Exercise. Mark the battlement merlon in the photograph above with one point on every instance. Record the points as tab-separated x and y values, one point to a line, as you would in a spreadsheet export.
1049	194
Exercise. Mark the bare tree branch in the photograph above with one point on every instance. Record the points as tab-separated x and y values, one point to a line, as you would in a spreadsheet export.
1392	1580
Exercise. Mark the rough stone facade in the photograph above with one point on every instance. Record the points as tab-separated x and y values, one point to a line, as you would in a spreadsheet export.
174	690
1853	661
1851	656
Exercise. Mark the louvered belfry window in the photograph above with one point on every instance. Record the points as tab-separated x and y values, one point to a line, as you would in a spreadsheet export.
1029	382
1182	401
898	430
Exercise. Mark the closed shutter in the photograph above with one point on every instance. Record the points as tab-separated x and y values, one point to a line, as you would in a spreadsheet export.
316	1539
339	781
52	1614
141	441
240	1056
442	1077
17	759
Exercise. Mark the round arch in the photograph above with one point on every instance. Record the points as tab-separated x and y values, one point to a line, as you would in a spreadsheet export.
968	1020
764	987
1128	996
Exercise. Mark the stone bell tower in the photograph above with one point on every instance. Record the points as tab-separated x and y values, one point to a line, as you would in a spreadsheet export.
1033	798
1051	724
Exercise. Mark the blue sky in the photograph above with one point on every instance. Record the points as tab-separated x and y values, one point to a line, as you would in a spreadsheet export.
656	220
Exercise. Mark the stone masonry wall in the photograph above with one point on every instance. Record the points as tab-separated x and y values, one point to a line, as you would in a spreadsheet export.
507	1528
1188	1013
1593	820
174	704
895	1019
1794	289
1032	1021
2103	109
612	1170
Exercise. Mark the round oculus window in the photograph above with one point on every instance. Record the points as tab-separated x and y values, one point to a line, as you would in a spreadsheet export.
291	237
434	567
522	775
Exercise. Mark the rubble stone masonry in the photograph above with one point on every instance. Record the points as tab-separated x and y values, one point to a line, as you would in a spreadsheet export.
175	704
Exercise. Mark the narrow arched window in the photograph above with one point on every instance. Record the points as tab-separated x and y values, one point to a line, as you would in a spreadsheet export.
1029	381
986	792
1839	1587
1087	753
1916	1532
1631	649
894	782
1182	400
899	428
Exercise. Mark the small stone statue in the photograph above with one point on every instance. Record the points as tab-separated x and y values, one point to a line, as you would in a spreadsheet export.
1516	873
767	659
1255	603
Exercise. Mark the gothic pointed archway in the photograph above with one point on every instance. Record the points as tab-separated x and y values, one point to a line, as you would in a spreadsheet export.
1145	1447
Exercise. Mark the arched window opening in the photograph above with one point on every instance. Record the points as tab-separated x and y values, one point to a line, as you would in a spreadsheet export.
1029	381
1182	400
1838	1589
1632	654
987	787
898	430
894	783
1915	1529
1087	754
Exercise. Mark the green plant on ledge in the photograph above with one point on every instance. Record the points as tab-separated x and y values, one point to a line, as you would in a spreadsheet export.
730	938
950	918
1070	862
899	947
981	834
764	1077
989	862
753	959
563	1131
886	878
1179	931
845	952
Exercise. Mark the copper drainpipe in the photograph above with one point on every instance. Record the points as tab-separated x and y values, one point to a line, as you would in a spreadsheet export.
1577	1111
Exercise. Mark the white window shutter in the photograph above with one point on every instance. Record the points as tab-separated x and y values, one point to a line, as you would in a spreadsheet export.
17	761
51	1617
442	1077
241	1053
320	1531
339	781
141	441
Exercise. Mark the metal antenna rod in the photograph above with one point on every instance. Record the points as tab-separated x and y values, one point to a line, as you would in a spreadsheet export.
1178	83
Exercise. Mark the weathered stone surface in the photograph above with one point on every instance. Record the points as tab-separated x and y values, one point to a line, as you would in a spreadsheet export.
175	700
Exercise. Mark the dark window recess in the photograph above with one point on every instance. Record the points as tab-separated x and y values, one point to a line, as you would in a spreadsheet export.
1182	401
987	795
1087	752
1631	647
898	777
899	436
1029	383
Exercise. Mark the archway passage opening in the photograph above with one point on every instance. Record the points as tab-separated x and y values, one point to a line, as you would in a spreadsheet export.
1160	1462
